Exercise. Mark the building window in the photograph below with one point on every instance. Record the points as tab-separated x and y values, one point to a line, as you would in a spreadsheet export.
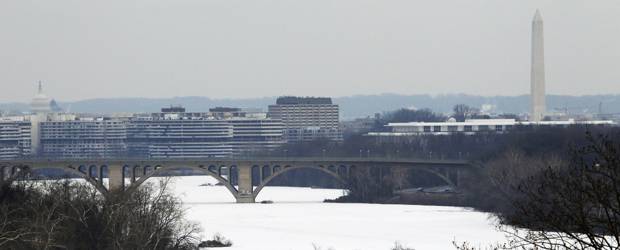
436	128
498	128
427	128
467	128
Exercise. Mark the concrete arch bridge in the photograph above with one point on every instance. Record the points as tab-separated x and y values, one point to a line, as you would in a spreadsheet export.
125	175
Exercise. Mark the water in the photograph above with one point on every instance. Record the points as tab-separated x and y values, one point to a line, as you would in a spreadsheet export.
299	220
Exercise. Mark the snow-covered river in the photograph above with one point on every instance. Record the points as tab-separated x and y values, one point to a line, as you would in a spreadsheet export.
299	220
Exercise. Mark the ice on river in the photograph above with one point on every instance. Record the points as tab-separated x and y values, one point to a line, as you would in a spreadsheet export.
299	220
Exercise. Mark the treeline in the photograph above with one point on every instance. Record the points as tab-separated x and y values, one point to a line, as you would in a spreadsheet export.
460	112
523	155
569	196
481	147
561	184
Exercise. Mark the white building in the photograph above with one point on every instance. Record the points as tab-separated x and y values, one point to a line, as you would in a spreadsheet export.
473	126
223	132
83	138
179	138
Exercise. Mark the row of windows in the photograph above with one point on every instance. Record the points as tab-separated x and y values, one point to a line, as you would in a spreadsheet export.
465	128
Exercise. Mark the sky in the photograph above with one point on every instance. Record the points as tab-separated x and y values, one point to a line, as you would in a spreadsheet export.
255	48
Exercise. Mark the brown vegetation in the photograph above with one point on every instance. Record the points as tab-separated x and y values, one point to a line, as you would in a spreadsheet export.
565	203
72	215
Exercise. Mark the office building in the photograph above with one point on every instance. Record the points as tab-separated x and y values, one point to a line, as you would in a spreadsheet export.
174	135
307	118
83	138
255	136
14	139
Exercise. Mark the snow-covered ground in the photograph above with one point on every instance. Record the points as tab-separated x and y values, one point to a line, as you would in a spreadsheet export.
299	220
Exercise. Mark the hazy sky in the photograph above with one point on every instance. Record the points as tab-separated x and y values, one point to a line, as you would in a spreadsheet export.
229	48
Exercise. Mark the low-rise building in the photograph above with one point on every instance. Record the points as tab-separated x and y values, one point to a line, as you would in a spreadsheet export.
83	138
172	133
223	132
473	126
251	135
14	138
179	137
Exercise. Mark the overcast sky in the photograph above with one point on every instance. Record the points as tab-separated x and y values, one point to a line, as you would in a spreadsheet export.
229	48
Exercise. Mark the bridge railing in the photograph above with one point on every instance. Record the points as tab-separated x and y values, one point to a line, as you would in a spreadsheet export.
237	160
257	157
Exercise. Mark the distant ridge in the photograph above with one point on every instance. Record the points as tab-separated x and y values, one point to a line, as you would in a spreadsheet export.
351	106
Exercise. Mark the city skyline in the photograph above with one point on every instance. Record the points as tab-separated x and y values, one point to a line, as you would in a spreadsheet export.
405	48
348	124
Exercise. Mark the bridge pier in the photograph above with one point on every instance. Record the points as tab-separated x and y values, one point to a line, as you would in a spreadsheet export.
116	178
245	198
245	192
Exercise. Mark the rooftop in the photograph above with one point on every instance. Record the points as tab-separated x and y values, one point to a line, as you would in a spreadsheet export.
303	100
474	122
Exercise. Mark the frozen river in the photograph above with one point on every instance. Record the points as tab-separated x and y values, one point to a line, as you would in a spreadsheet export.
299	220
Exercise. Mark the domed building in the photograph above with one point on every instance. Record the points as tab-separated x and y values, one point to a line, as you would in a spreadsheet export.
41	103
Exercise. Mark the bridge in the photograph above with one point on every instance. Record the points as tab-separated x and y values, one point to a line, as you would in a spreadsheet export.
236	174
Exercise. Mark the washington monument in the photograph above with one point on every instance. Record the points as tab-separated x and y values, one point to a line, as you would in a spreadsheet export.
538	70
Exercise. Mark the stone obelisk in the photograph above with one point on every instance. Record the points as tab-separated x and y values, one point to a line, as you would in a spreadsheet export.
538	70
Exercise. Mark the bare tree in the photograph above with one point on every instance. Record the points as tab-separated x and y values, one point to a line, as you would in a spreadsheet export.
65	214
574	205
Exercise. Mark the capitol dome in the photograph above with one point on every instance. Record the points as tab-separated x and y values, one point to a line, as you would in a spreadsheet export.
41	103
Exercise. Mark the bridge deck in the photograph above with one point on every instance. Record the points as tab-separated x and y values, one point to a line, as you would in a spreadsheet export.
404	162
117	170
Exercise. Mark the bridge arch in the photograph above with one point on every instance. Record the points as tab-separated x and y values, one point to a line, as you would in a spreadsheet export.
10	173
80	171
438	174
208	170
281	170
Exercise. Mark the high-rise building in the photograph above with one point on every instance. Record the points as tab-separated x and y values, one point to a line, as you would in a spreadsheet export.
307	118
538	107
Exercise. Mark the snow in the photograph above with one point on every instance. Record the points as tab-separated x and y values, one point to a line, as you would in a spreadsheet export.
299	220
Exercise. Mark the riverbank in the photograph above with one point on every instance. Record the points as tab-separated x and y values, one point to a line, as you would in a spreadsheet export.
453	199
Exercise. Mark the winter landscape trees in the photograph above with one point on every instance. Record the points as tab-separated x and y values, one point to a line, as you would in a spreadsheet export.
73	215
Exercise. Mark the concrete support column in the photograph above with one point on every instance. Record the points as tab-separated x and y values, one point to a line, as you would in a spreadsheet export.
134	173
100	175
2	170
116	178
245	190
